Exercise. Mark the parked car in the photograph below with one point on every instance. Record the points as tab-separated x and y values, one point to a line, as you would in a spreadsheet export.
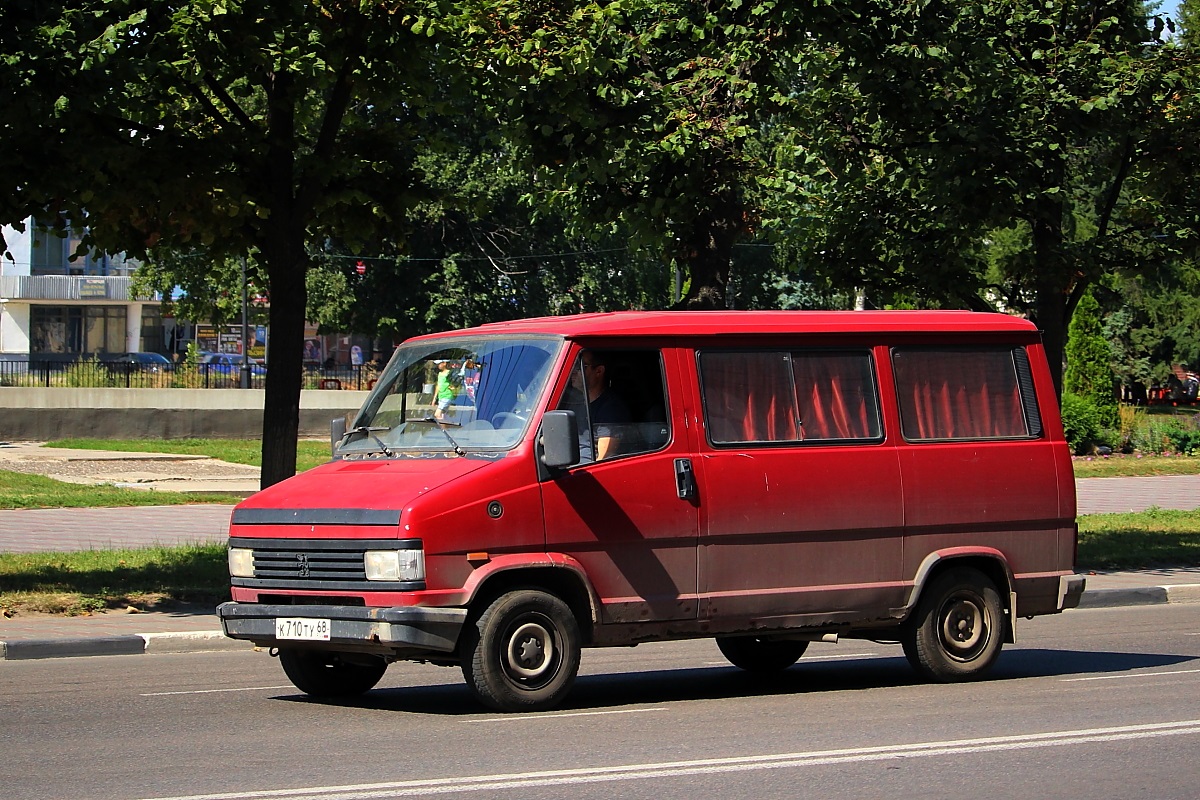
228	364
138	362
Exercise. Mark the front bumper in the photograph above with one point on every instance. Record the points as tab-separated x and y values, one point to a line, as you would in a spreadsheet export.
404	632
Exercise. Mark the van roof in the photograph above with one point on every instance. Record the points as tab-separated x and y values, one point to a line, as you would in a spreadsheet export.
748	323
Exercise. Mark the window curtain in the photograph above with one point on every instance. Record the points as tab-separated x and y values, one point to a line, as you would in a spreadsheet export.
958	394
748	397
835	395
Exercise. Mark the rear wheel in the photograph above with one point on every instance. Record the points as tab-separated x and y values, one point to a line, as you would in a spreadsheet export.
325	674
522	653
756	654
956	631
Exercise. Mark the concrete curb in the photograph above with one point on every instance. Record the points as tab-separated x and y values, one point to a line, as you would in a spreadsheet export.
131	644
1141	596
212	641
194	642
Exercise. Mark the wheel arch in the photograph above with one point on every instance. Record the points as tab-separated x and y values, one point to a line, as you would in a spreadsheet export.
988	560
557	575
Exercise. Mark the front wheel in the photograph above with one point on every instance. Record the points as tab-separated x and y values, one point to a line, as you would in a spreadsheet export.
956	631
522	653
325	674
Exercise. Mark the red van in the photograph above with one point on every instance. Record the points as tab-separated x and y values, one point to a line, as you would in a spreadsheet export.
513	493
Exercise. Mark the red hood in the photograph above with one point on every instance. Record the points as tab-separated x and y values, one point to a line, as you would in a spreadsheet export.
391	484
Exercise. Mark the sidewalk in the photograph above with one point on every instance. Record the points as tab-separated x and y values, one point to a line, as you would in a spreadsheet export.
192	630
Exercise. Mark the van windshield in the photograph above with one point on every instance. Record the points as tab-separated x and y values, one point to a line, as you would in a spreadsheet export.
455	394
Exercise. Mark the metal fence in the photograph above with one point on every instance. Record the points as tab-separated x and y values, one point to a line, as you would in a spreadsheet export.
126	375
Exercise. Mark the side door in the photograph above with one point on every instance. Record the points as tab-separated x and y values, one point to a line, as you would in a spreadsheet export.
802	499
622	516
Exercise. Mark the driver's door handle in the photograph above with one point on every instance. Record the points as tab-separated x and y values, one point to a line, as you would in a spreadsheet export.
685	479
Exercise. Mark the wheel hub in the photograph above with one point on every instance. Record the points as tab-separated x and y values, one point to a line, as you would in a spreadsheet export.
964	628
530	651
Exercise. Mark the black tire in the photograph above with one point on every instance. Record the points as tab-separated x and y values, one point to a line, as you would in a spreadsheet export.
325	674
522	653
957	628
755	654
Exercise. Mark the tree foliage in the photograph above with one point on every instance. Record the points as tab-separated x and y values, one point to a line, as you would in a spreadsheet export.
649	112
499	158
235	127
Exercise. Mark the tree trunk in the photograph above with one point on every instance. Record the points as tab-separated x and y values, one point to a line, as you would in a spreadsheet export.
1052	280
283	250
281	409
707	252
1052	321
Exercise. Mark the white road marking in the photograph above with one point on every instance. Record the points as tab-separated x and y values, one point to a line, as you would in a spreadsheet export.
709	766
216	691
540	717
1131	675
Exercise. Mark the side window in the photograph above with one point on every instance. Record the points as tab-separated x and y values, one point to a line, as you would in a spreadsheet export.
836	393
823	396
625	410
748	397
964	393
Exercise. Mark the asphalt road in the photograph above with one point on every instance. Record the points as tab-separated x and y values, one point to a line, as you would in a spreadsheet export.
1092	703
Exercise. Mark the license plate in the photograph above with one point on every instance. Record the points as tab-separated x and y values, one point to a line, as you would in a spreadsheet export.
305	628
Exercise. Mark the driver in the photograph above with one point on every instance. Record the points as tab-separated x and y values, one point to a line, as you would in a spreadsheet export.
605	414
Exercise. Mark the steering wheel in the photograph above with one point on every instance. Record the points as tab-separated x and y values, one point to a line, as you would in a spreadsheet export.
507	419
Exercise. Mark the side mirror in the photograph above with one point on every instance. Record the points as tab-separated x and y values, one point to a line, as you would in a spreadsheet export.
559	439
337	429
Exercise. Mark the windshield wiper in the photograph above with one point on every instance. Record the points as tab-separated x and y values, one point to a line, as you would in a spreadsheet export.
369	430
441	426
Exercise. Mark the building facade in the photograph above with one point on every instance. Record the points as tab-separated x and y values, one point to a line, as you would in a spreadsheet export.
59	306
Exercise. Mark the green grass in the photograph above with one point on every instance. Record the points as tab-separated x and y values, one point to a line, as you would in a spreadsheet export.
18	490
1133	466
1144	540
90	580
309	453
78	582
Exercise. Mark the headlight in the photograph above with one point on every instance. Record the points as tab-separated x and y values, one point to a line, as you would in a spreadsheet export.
395	565
241	562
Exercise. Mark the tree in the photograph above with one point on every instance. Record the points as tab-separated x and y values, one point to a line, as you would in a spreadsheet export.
650	112
1089	371
475	252
941	123
241	128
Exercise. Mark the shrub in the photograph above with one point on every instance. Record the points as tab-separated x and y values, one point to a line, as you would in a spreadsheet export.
1158	433
1128	418
1184	437
1081	422
1088	372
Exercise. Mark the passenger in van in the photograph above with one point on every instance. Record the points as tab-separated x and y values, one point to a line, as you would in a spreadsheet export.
606	410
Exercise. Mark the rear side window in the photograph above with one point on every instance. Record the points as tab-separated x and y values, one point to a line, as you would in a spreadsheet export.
814	396
965	393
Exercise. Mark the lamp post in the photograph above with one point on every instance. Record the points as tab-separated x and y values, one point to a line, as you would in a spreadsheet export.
245	370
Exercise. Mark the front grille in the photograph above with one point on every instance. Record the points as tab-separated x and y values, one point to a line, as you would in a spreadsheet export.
323	564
